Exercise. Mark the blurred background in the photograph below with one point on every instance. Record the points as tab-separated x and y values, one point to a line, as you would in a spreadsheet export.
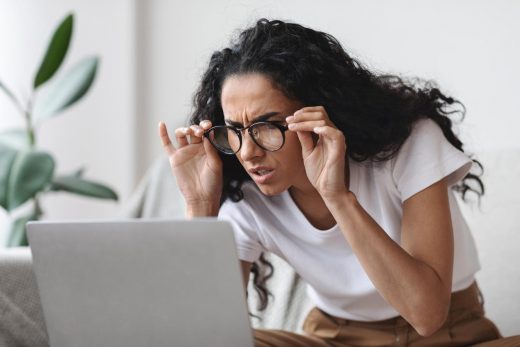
153	54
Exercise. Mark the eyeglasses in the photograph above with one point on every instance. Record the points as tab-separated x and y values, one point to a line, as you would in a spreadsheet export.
228	140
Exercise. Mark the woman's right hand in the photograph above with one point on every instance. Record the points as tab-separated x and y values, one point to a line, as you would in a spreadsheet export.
196	165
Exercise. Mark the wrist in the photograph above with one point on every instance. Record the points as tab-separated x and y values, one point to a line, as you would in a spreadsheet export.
202	209
340	201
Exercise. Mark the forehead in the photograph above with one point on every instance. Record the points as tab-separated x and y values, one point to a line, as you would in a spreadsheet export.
246	96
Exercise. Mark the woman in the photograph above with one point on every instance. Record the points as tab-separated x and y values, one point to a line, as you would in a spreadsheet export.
349	177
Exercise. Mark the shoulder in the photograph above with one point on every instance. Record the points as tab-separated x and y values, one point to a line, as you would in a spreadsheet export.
426	142
425	132
425	157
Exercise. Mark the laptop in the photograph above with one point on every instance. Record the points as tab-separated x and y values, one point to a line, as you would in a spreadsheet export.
174	283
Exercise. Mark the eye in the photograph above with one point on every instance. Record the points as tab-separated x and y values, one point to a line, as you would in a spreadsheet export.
255	132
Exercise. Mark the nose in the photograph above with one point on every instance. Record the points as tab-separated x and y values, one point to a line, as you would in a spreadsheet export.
249	149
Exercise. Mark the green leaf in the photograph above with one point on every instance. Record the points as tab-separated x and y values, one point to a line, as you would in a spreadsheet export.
67	90
77	185
17	231
14	138
57	187
56	184
30	173
56	51
7	157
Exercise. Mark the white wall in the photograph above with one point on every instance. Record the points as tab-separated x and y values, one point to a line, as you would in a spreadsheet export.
97	132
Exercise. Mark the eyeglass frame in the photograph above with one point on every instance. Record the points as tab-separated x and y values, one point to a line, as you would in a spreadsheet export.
238	131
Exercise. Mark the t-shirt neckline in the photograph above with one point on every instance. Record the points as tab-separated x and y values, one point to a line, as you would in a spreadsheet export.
300	216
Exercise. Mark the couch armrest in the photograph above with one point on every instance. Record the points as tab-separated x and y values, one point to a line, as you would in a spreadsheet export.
21	317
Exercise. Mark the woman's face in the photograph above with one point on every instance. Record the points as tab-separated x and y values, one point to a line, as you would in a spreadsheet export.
245	98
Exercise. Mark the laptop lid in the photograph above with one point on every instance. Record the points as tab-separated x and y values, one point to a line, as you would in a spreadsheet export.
140	283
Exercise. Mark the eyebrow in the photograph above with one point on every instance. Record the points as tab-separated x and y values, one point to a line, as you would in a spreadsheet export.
260	118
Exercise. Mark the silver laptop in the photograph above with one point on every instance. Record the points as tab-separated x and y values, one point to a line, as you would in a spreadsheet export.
172	283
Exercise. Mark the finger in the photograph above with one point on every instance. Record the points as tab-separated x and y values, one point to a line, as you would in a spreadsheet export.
306	142
331	133
210	150
181	136
312	109
299	116
196	134
165	139
205	124
307	125
306	116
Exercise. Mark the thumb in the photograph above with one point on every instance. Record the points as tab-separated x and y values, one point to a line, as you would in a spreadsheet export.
211	152
306	141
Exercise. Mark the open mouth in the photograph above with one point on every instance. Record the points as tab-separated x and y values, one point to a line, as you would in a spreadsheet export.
262	172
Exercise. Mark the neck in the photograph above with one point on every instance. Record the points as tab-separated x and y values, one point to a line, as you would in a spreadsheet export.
306	195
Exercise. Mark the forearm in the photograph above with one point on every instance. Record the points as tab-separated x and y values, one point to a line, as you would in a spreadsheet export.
411	286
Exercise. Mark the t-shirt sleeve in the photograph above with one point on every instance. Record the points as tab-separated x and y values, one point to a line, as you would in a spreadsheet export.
425	158
245	229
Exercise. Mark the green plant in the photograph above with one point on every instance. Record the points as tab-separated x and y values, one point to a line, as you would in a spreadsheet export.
25	171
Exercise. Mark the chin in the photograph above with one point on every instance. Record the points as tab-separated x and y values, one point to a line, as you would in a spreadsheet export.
270	189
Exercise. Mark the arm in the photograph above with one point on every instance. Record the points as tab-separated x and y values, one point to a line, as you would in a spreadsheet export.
197	168
415	277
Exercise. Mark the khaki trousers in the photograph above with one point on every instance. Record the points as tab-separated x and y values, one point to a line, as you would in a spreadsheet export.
466	325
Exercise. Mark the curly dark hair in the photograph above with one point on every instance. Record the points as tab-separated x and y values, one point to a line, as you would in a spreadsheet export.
376	112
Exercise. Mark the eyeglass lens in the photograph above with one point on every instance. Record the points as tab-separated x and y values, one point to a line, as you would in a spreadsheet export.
228	140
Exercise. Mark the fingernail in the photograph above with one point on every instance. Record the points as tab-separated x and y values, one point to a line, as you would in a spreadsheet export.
292	126
289	119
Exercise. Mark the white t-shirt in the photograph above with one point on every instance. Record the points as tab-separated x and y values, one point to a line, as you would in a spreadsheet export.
337	283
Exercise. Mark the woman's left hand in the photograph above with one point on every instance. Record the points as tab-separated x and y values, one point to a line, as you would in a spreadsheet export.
324	154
